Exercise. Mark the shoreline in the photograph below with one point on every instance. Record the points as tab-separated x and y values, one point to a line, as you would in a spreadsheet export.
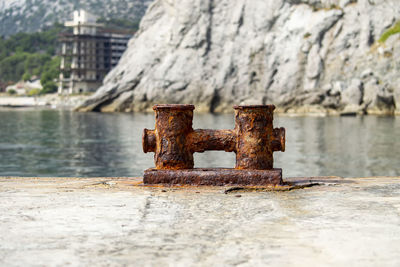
55	101
49	101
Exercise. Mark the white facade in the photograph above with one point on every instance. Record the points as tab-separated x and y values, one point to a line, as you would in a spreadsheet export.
83	23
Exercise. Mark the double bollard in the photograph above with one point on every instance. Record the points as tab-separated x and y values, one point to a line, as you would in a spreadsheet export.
174	141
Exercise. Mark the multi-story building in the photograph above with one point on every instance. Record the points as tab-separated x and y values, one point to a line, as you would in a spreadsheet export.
88	53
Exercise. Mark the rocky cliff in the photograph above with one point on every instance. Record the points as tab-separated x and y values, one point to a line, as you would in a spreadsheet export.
33	15
302	55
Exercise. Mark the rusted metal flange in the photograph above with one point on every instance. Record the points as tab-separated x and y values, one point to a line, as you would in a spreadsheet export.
214	177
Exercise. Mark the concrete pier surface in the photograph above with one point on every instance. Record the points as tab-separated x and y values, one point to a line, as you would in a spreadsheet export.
119	222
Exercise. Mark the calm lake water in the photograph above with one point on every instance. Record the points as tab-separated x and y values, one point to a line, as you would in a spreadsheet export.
67	144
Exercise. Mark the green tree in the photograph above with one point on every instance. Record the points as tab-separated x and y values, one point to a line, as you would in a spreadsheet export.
49	87
12	68
34	63
12	92
30	54
46	77
26	77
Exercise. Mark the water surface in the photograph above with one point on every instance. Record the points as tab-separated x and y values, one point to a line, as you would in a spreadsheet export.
67	144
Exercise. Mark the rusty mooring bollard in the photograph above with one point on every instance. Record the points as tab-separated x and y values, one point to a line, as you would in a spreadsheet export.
174	141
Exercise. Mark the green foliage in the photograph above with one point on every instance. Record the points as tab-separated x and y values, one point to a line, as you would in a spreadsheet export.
22	65
26	77
34	92
24	55
389	32
12	92
12	68
52	68
38	42
46	77
34	63
49	87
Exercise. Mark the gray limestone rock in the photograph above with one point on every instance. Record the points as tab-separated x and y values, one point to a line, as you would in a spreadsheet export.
218	53
353	95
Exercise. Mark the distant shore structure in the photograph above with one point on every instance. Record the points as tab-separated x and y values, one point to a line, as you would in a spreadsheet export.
88	53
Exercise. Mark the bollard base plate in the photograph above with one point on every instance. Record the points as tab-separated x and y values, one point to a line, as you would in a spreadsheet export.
213	177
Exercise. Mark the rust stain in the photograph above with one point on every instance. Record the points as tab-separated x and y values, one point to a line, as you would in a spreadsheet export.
174	141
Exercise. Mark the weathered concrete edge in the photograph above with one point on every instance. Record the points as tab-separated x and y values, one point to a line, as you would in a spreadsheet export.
130	183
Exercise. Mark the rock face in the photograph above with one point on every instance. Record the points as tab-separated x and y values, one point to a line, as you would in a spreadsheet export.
32	15
301	55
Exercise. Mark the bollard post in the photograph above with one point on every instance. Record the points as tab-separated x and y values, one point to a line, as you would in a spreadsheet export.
174	141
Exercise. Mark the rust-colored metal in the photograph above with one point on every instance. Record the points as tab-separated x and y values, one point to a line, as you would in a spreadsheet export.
174	141
256	137
214	177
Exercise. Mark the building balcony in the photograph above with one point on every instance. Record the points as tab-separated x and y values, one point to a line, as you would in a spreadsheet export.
65	67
